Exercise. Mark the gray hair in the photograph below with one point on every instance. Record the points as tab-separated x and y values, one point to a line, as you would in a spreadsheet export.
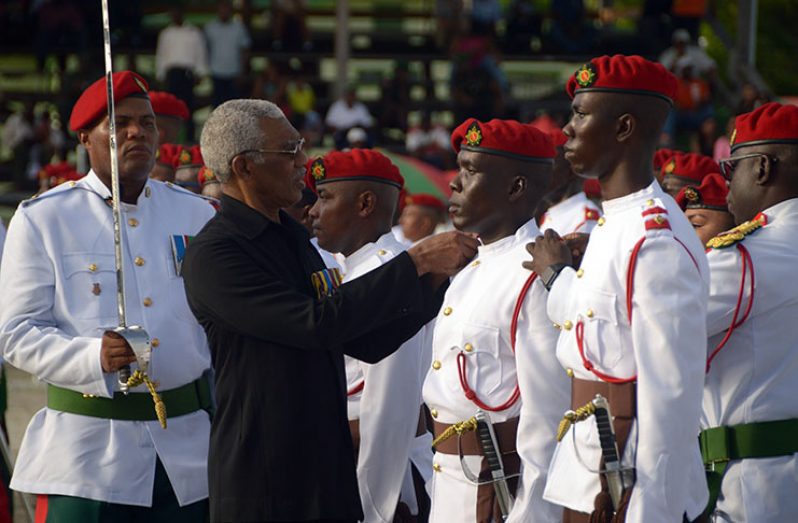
231	128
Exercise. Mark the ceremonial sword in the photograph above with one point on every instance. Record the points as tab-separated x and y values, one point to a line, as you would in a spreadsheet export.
617	478
492	453
136	336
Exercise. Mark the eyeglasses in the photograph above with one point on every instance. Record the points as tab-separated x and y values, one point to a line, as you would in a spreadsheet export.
728	165
298	146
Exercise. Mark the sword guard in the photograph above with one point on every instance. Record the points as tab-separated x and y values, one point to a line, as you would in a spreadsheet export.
139	341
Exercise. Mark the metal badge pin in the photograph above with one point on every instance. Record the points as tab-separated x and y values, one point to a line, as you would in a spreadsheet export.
95	289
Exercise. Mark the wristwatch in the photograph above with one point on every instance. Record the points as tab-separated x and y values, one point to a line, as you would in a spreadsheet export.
550	274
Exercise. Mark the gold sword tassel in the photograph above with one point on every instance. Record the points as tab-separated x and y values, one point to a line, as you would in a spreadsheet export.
571	417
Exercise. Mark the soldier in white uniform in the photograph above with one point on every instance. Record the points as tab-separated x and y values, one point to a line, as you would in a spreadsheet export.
490	354
93	454
358	192
571	211
630	330
750	437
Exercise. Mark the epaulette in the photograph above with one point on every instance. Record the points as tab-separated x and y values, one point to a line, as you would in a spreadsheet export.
591	214
655	215
738	234
59	189
213	201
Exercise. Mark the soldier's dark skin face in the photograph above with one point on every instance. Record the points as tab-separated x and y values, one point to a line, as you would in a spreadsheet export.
136	142
708	223
334	216
746	188
478	193
591	135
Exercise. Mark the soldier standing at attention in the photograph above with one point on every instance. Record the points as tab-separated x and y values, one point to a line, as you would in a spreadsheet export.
93	454
750	437
630	331
489	354
358	192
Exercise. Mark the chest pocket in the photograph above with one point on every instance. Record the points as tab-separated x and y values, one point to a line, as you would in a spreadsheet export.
486	365
606	336
89	286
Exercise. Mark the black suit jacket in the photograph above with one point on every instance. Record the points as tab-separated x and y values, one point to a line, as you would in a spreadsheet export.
280	446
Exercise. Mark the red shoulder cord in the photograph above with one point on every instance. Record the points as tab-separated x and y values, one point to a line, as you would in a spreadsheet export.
579	330
462	360
748	266
357	388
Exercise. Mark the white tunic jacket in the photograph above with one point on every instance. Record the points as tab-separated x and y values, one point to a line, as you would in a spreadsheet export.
753	377
663	346
475	322
58	295
575	214
388	405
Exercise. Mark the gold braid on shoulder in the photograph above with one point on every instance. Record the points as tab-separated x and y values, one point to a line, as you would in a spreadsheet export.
136	379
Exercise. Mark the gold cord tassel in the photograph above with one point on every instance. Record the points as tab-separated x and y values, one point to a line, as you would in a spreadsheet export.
458	428
137	379
571	417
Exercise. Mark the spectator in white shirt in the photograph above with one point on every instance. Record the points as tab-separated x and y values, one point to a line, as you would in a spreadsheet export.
181	60
430	143
345	113
228	43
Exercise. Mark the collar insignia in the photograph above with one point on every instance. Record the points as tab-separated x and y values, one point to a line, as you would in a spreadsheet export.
586	75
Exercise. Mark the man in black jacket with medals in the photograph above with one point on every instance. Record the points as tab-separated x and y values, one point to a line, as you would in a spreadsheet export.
278	324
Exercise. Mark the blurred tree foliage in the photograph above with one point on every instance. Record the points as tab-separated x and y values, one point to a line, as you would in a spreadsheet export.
777	41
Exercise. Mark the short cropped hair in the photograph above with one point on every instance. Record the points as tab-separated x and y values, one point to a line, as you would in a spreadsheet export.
232	128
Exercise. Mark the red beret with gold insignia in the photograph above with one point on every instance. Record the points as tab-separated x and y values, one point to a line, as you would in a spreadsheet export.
167	104
189	157
506	138
92	105
426	200
692	167
356	164
711	194
205	176
623	74
769	124
662	156
168	153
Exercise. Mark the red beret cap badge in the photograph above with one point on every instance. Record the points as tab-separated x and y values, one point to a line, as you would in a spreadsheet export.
691	194
586	75
473	136
670	167
185	157
317	169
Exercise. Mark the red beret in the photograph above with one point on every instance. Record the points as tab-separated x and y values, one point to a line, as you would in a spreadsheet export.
205	175
662	156
402	203
189	157
93	103
425	200
168	154
356	164
623	74
592	188
770	123
690	166
711	194
558	138
55	174
167	104
506	138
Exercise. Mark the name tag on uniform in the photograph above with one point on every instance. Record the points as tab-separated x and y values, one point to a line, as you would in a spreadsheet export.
326	281
179	246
